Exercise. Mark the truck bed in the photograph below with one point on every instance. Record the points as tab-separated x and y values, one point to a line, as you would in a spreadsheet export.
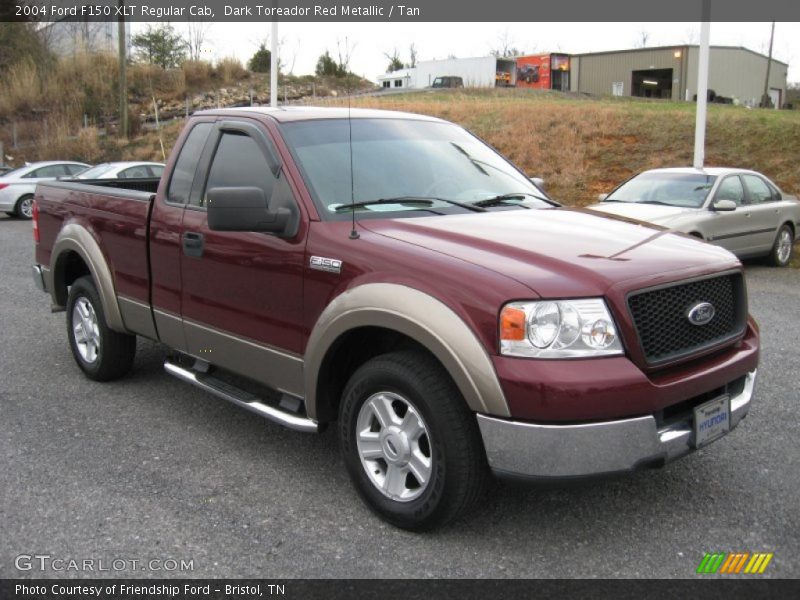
116	212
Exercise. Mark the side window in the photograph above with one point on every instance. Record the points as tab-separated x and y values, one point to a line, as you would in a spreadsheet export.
133	173
239	162
183	174
758	189
48	171
155	171
74	169
731	189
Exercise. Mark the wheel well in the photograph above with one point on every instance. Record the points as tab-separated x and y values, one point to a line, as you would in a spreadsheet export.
791	226
347	354
69	267
697	234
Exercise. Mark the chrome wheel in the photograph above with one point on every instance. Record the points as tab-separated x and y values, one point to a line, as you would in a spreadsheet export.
783	248
86	330
394	446
26	207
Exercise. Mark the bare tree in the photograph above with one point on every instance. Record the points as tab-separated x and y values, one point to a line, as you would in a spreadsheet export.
505	46
641	41
345	52
395	64
412	54
196	33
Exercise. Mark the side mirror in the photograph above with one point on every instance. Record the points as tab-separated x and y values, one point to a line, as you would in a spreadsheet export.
243	209
538	182
601	197
724	205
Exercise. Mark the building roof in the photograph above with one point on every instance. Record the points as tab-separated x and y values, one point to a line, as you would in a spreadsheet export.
678	47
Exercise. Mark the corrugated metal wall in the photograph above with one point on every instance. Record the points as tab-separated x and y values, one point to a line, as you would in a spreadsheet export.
597	73
733	72
737	73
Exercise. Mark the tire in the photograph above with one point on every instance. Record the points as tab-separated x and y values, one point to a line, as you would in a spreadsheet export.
442	443
101	353
23	209
781	253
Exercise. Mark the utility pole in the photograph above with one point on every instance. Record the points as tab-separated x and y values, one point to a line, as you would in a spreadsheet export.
123	75
766	101
273	67
702	87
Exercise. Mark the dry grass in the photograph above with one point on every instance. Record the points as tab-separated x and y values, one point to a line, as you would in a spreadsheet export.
230	70
197	74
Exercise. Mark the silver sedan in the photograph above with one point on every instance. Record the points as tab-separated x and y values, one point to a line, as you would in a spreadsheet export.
17	186
740	210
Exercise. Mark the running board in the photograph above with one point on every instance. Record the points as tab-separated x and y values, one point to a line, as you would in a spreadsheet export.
241	398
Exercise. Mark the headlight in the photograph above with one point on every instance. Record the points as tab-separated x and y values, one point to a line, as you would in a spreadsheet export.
558	329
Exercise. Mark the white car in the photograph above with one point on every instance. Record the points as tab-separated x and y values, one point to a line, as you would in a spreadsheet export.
738	209
17	186
123	170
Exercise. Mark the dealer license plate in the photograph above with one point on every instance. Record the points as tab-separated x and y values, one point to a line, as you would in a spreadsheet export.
712	420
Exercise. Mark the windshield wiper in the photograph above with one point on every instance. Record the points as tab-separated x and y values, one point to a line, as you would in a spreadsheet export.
656	202
421	200
502	198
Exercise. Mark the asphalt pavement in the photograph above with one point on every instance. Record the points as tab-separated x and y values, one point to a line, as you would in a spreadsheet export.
151	469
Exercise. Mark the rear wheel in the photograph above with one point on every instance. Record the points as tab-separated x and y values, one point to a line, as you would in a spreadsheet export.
410	443
781	253
102	353
24	207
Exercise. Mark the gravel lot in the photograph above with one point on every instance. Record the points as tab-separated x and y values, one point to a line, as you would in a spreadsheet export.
150	468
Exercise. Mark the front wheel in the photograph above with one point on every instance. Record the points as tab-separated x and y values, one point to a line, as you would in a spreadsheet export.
102	353
410	443
24	207
781	253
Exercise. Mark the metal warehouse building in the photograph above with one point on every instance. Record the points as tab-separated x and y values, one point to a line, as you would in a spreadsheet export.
671	72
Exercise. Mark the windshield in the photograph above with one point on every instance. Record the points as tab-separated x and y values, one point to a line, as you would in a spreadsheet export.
96	172
401	159
686	190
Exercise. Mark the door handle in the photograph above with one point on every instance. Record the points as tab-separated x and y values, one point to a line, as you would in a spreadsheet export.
193	244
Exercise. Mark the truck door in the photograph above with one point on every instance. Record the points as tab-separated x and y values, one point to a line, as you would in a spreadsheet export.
242	291
165	233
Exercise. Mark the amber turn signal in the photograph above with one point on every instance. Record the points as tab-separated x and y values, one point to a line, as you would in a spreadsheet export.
512	324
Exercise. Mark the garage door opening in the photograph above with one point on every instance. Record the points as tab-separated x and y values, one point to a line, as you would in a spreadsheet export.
652	83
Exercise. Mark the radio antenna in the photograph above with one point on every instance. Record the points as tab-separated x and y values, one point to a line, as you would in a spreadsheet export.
353	233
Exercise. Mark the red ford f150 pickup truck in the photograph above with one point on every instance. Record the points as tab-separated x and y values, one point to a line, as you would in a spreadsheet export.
392	273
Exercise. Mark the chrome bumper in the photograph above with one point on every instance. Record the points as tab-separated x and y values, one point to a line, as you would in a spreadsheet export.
38	277
563	451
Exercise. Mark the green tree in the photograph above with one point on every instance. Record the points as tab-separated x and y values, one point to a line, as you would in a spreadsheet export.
261	62
327	66
160	46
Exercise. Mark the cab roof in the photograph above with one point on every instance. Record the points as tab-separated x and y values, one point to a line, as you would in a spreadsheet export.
285	114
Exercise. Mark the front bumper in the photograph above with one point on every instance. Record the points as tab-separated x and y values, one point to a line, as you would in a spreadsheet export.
529	450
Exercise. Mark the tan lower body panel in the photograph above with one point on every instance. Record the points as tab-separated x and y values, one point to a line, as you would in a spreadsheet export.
137	317
270	366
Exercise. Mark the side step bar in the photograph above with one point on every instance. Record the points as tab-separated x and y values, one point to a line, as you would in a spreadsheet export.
241	398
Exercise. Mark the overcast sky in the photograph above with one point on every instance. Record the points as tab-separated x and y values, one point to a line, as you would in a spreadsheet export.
304	42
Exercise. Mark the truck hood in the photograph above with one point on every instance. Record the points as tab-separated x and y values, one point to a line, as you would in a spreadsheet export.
652	213
561	252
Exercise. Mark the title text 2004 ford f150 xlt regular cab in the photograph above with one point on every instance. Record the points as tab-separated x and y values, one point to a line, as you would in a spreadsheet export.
464	325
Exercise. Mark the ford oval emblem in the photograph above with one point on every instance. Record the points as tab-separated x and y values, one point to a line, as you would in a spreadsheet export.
701	313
